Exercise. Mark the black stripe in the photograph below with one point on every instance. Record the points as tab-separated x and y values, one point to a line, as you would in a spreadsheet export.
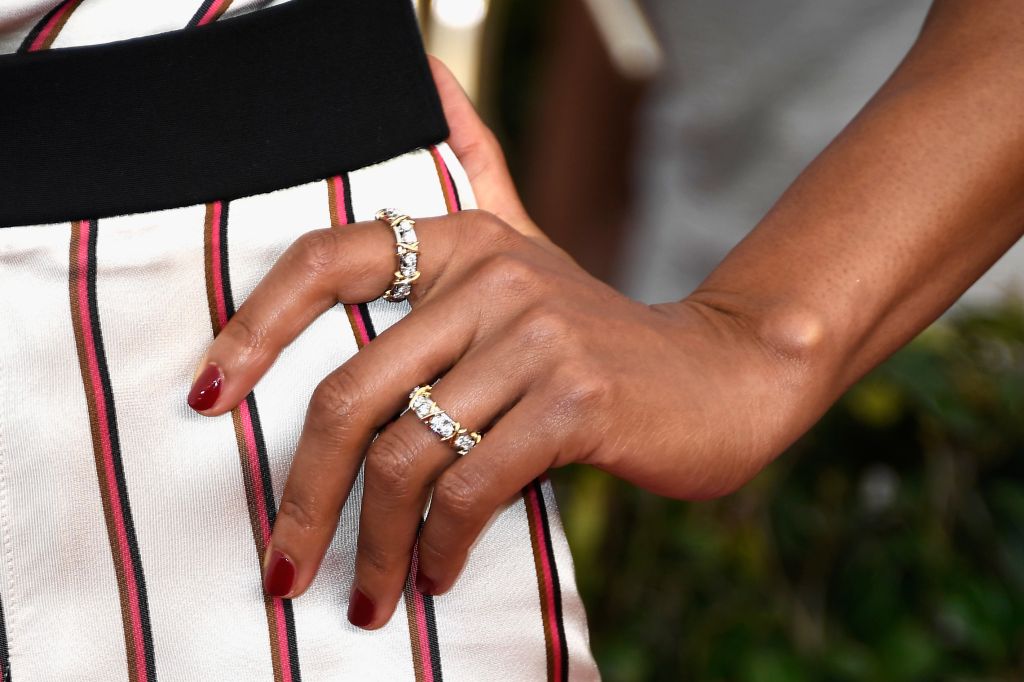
563	645
203	9
293	646
346	184
5	657
455	189
261	446
137	141
115	446
371	333
225	273
261	453
435	649
37	29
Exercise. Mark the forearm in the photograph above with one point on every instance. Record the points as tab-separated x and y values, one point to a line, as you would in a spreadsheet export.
901	213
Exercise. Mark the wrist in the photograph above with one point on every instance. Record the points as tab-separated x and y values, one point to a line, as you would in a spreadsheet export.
795	343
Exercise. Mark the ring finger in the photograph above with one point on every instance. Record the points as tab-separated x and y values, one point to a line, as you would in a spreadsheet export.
403	463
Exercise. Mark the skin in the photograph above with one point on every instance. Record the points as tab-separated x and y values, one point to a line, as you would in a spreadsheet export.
896	218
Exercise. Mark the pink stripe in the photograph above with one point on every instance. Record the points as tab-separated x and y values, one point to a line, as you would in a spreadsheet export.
251	451
449	186
338	185
252	457
47	30
282	641
211	13
339	199
549	584
107	448
357	315
424	636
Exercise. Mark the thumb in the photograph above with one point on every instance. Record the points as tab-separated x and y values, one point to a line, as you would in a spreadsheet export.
480	154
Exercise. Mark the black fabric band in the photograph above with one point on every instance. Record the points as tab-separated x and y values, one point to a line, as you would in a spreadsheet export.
275	98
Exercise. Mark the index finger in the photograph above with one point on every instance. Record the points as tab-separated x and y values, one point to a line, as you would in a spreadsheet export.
353	265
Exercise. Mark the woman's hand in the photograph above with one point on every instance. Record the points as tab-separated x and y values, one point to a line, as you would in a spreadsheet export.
554	367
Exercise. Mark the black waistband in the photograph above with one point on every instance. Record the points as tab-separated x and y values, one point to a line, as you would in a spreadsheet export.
282	96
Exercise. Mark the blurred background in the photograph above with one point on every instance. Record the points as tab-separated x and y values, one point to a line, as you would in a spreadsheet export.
647	138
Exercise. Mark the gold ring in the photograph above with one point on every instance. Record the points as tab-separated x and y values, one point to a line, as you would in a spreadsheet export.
438	421
406	248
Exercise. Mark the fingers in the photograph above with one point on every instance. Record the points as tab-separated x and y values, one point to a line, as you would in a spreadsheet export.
346	409
520	447
354	264
480	154
402	465
366	392
305	281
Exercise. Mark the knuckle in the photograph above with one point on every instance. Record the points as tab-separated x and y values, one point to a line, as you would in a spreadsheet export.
247	336
307	515
490	230
456	495
373	556
544	327
336	397
584	391
510	273
434	550
391	465
317	250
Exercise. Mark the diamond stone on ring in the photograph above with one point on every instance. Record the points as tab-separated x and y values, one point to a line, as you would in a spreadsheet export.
438	421
406	248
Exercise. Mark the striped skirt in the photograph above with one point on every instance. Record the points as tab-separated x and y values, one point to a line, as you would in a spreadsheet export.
132	528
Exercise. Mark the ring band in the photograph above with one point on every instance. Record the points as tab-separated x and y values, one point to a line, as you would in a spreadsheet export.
406	248
438	421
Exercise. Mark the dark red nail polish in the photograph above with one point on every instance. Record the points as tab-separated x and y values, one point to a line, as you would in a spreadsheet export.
425	584
360	609
206	389
280	575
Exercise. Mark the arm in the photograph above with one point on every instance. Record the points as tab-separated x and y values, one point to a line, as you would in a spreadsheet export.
920	194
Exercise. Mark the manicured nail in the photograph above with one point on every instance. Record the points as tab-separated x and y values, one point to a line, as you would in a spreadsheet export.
280	574
360	609
425	584
206	388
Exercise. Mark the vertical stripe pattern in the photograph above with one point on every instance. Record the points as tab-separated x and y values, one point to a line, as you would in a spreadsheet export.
209	12
252	450
426	651
426	654
43	34
547	583
107	452
339	197
444	176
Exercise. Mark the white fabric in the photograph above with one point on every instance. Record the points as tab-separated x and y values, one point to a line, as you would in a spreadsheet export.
202	572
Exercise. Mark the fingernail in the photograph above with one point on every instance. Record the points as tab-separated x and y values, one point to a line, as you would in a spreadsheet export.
360	609
425	584
206	388
279	576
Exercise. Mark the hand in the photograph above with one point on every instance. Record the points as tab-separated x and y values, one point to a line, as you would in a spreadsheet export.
554	367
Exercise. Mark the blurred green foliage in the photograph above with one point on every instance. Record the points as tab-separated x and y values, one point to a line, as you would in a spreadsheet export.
888	544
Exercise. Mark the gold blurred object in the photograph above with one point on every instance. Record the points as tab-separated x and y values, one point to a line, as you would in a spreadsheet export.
453	31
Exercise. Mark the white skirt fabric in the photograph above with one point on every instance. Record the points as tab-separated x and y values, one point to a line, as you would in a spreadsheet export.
132	528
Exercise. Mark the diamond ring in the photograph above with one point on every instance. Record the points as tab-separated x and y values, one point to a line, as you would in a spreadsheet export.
438	421
406	248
